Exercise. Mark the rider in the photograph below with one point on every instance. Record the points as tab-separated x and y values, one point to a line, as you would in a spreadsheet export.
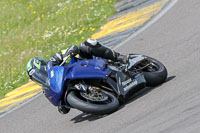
86	50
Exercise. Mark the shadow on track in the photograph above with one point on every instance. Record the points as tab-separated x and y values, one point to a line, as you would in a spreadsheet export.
89	117
86	117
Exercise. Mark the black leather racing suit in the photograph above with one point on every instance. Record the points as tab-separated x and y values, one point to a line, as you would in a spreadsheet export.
87	49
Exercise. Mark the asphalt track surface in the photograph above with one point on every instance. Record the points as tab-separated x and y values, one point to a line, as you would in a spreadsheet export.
173	107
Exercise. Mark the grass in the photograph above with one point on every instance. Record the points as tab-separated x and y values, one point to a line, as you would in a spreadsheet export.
30	28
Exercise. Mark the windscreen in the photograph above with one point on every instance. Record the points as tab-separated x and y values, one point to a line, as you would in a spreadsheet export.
41	77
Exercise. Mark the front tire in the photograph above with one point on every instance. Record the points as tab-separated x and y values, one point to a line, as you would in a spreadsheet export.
73	98
158	75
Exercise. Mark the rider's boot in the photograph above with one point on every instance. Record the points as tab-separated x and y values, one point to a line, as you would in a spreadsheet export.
122	59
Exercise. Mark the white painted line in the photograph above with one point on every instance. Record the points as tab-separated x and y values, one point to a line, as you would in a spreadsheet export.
152	21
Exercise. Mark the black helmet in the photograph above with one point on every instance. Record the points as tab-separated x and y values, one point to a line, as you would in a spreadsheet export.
37	70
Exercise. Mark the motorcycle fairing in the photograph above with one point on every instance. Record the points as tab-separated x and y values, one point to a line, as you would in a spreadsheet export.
87	69
83	69
55	75
126	85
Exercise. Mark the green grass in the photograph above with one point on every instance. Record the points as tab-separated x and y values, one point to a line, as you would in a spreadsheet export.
30	28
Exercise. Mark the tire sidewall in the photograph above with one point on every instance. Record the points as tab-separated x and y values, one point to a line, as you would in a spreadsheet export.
98	109
157	77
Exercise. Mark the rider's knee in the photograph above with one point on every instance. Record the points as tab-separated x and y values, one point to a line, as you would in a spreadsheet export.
91	43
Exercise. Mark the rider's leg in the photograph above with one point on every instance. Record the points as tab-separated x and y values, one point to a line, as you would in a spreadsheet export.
92	47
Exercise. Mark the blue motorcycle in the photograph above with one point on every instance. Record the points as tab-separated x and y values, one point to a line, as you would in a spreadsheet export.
97	86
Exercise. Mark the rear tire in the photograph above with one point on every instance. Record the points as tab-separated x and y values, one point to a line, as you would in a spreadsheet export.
94	108
154	78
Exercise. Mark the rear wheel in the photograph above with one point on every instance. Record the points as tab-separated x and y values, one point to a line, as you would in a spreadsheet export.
99	102
156	73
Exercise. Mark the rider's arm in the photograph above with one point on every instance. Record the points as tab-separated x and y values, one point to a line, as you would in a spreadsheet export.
56	59
64	55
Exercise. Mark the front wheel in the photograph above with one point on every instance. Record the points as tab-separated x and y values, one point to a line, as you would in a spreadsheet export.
105	104
156	73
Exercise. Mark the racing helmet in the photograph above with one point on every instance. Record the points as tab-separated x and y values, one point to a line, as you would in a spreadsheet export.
37	70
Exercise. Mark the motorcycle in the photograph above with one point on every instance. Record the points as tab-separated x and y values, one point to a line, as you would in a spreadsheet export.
99	86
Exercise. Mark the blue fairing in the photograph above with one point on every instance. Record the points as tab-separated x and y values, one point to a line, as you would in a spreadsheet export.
87	69
82	69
